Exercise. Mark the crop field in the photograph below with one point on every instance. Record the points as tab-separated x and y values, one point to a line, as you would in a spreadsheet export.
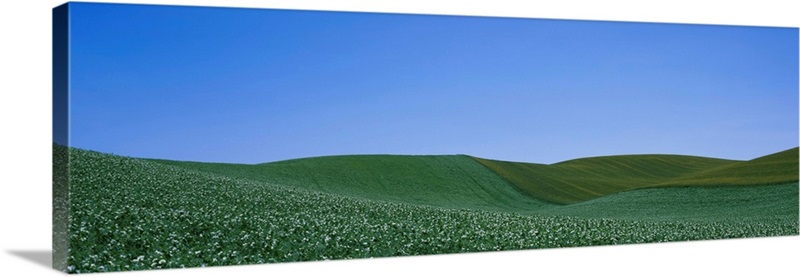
588	178
454	181
133	214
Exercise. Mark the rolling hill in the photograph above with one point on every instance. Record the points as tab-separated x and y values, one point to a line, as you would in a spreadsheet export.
132	214
781	167
454	181
762	204
579	180
625	186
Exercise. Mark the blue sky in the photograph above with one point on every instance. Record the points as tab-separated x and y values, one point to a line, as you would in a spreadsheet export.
251	86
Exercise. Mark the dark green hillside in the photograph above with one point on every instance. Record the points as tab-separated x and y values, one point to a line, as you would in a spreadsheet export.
778	168
471	182
444	181
765	203
583	179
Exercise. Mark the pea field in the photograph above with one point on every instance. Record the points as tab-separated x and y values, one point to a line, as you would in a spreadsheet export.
135	214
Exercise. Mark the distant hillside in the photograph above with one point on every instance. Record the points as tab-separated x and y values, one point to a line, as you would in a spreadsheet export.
444	181
781	167
588	178
583	179
470	182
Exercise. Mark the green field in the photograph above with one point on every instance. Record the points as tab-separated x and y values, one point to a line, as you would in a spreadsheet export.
129	213
777	168
584	179
445	181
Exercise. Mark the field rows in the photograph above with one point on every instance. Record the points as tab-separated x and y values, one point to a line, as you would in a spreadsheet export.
579	180
130	214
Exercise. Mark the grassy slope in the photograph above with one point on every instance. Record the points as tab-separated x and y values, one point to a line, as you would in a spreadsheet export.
129	214
584	179
781	167
619	186
765	203
444	181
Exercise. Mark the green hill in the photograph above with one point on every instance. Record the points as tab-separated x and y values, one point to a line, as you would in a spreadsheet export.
763	204
588	178
133	214
781	167
583	179
648	187
460	181
455	181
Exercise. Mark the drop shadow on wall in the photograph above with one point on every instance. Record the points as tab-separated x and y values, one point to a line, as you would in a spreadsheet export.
40	257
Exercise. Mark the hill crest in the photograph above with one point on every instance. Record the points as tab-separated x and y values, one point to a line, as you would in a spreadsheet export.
567	182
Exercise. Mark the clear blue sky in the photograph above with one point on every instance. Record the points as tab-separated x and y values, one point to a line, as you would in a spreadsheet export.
251	86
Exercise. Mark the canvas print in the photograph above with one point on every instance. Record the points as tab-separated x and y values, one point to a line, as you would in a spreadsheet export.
200	136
